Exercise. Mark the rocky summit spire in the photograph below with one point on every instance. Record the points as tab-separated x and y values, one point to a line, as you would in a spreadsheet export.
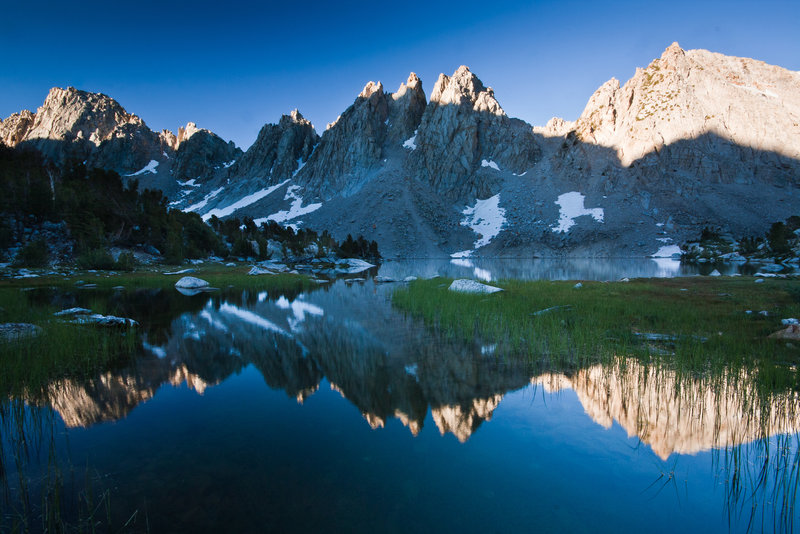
201	152
370	89
406	107
464	88
279	150
463	127
351	147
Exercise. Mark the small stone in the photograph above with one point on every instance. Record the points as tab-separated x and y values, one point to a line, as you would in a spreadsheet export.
16	331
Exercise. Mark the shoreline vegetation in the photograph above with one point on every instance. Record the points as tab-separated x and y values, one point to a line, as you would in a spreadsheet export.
697	322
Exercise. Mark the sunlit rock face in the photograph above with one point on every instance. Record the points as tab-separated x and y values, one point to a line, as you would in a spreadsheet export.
677	415
686	94
74	124
690	122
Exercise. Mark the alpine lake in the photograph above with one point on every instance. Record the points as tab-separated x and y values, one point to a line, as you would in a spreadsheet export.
648	398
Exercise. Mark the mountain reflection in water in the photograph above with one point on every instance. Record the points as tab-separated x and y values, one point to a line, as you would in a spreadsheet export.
199	444
389	366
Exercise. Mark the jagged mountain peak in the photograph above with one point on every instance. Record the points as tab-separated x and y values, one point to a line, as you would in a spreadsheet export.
413	84
463	88
413	81
295	117
673	50
73	113
370	89
79	125
186	132
278	151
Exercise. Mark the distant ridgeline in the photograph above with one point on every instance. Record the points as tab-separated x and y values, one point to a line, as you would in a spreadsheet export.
695	139
71	212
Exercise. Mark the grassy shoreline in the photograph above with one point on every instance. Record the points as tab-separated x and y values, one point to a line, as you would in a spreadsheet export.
65	350
697	323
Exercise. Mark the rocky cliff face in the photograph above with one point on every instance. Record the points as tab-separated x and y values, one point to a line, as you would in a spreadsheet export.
85	126
685	95
279	150
465	135
199	153
354	147
694	139
92	127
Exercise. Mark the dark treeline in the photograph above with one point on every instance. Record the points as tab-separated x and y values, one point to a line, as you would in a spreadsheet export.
101	211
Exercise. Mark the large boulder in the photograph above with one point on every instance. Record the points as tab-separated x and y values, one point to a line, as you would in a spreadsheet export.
190	282
465	285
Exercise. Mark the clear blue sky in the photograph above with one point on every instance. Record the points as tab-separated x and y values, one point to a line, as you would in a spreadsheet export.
232	67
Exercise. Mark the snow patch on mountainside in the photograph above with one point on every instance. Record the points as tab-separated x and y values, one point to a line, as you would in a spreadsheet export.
489	163
300	165
295	210
243	202
411	142
202	203
486	218
149	168
570	206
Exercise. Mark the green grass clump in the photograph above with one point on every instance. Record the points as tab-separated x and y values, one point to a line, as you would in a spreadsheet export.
65	350
703	320
62	350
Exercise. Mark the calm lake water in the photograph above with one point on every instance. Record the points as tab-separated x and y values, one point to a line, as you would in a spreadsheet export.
331	411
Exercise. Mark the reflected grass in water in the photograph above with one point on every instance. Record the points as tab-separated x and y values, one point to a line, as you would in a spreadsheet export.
44	492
